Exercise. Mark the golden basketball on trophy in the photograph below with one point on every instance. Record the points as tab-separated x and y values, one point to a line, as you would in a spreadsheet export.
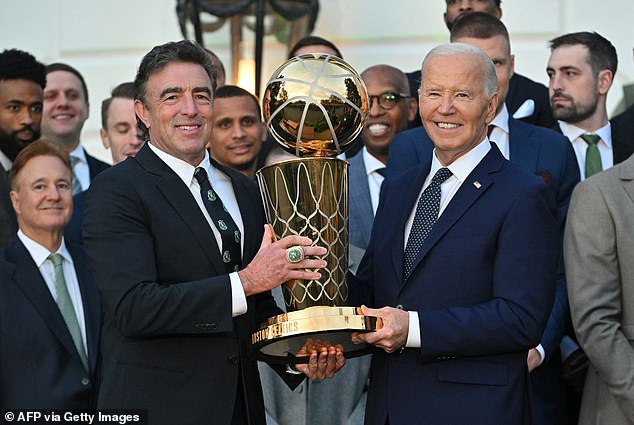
314	105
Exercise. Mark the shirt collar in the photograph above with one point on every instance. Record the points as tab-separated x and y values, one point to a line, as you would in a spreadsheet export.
5	162
573	132
463	166
39	253
79	153
371	163
501	120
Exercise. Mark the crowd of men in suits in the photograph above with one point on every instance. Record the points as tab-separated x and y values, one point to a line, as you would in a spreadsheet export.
502	282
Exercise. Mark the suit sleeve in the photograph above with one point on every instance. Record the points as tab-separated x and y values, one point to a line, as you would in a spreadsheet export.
559	320
122	251
594	291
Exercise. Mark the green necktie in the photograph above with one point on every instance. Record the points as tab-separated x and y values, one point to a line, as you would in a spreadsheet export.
65	306
593	157
76	185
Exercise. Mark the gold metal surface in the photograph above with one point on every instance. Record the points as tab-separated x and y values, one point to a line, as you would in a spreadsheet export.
282	336
315	105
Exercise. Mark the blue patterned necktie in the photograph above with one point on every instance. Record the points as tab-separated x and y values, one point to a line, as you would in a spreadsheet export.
65	306
76	185
231	252
426	216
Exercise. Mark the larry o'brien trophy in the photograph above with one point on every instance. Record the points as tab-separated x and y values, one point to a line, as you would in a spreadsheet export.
315	105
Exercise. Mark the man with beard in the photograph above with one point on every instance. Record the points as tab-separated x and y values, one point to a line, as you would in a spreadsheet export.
581	70
22	79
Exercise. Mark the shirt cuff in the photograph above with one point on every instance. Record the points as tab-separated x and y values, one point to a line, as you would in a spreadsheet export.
238	298
413	336
542	354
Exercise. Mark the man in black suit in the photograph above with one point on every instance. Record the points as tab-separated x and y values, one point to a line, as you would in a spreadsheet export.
526	100
66	110
581	70
50	314
623	126
184	261
22	79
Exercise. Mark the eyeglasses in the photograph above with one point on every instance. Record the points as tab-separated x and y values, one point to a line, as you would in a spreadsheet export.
388	100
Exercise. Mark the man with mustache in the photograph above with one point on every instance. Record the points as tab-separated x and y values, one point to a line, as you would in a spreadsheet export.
22	80
581	70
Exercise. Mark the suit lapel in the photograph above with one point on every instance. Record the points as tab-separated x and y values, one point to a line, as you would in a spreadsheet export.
179	197
409	195
627	178
523	150
29	280
467	194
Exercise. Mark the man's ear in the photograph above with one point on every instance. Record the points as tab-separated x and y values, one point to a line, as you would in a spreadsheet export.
105	141
141	112
412	109
15	201
604	81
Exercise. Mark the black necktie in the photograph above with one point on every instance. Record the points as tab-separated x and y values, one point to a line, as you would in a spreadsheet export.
221	218
381	171
426	216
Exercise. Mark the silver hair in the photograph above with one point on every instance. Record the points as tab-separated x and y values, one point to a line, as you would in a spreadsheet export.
461	49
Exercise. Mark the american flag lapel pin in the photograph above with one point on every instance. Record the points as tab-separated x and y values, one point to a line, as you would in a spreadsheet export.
477	184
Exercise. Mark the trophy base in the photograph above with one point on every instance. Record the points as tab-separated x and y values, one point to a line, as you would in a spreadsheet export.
280	338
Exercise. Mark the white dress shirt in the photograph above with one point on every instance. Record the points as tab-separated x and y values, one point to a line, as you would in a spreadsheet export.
40	254
573	133
460	169
5	162
501	133
374	178
221	183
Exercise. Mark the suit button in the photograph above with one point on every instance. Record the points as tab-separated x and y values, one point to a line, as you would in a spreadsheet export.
400	306
233	359
85	381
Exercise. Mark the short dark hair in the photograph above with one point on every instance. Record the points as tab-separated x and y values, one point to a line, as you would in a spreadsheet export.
225	92
19	65
313	40
478	25
124	90
164	54
497	3
602	54
59	66
221	66
40	147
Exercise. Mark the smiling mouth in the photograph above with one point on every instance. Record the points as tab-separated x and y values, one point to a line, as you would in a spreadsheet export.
63	117
447	125
188	127
377	129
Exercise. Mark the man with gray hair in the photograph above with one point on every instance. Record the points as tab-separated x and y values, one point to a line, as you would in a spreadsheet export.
461	264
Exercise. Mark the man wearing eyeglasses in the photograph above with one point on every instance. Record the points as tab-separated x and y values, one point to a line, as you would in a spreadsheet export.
391	108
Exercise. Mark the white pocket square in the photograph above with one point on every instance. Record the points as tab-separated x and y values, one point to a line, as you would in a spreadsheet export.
526	109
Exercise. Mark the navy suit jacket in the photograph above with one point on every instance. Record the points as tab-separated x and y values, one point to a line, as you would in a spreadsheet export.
8	221
39	364
170	343
482	286
623	135
550	156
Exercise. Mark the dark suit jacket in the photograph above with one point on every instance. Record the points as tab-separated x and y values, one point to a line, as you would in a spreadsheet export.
170	343
39	364
623	135
95	166
360	215
8	221
551	157
74	228
482	285
521	89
